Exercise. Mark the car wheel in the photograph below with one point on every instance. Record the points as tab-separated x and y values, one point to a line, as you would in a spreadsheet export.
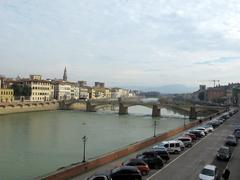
144	173
176	152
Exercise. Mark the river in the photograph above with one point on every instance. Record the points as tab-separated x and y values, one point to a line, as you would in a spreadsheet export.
33	144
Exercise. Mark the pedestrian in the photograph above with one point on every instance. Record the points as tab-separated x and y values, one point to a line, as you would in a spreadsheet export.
226	174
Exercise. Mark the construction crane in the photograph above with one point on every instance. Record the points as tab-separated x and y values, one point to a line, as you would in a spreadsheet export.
214	82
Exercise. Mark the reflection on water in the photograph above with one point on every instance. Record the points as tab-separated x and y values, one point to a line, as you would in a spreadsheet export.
35	143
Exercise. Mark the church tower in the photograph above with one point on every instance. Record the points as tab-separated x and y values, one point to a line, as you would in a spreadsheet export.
65	74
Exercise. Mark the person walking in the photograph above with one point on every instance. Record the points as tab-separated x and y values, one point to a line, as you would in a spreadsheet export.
226	174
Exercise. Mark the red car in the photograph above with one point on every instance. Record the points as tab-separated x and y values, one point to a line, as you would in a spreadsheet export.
192	136
140	164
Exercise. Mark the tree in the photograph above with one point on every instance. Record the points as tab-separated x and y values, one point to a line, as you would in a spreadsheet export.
21	90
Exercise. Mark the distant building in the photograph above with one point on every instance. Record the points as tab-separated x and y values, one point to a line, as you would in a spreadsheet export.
62	90
34	89
74	90
35	77
83	92
99	84
216	93
91	92
82	83
6	95
201	94
65	74
119	92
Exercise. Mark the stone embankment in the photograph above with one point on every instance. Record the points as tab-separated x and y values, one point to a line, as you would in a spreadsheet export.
20	107
80	168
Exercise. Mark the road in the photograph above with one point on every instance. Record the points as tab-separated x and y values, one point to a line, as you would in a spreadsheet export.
189	163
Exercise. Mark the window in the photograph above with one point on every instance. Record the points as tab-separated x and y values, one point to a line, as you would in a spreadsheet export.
171	144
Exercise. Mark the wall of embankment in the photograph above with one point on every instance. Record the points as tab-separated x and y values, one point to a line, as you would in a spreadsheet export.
27	107
20	107
80	168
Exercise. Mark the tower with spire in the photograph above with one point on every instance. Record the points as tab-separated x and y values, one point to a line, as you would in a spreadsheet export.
65	74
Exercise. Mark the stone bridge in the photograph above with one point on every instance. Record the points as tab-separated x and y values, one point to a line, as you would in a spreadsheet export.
191	110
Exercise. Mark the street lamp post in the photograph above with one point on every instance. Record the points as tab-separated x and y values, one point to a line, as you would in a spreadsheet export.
84	139
155	126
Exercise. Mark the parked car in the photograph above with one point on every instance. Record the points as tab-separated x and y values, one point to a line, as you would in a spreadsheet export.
163	153
192	136
231	140
220	121
209	172
236	133
197	133
224	153
202	129
140	164
187	141
171	146
209	128
99	177
214	123
126	173
182	146
152	159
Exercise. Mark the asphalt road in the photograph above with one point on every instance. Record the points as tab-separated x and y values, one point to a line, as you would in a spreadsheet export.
188	163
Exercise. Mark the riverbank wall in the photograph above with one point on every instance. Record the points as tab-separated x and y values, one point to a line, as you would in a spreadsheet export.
80	168
20	107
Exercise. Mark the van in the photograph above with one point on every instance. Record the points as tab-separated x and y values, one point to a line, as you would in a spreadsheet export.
171	146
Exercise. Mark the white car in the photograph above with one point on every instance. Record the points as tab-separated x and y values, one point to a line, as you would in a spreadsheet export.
171	146
209	128
202	129
182	146
209	172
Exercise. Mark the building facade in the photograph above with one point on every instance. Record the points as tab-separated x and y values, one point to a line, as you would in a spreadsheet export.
119	92
6	95
83	93
62	90
74	90
34	89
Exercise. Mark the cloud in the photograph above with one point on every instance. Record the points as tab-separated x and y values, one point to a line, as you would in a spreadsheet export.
130	41
221	60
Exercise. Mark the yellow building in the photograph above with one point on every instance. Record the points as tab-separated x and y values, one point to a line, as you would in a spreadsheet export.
91	92
6	95
102	92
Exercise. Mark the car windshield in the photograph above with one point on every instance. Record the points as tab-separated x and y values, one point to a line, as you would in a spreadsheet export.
223	150
207	172
230	138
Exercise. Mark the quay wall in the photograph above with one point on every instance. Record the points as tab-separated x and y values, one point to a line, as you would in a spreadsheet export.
80	168
9	108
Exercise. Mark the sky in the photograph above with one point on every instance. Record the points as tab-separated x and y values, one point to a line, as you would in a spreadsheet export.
122	42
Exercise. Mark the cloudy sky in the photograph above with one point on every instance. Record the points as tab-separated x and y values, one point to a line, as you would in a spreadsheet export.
122	42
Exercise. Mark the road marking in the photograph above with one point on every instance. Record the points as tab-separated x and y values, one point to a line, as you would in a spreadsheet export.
177	157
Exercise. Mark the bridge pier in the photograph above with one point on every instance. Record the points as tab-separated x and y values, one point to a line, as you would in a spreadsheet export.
90	107
156	111
193	113
122	109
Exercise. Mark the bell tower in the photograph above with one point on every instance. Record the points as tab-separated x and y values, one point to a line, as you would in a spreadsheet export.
65	74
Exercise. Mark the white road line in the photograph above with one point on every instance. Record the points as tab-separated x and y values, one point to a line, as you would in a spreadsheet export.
177	157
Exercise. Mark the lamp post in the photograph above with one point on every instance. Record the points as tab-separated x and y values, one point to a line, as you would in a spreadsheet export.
184	123
84	139
155	126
